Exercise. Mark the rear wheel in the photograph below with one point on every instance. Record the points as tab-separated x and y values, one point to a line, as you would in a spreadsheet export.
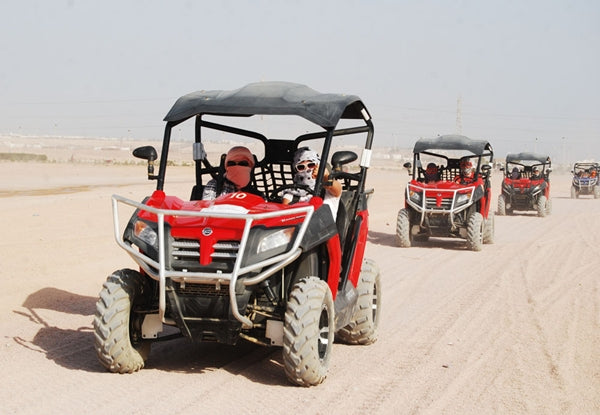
596	192
363	327
117	328
489	229
501	205
541	206
548	206
403	239
475	231
308	332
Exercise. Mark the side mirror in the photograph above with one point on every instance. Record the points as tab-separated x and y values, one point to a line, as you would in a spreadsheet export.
340	158
486	168
549	169
147	153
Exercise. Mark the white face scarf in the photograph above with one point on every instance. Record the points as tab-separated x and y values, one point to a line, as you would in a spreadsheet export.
304	177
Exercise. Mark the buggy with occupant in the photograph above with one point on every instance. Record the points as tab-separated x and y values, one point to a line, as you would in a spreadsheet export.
231	262
585	180
526	185
451	196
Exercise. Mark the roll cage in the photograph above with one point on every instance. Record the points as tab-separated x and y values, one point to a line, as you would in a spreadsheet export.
479	152
267	98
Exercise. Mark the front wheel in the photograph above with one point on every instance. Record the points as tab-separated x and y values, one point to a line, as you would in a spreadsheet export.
117	328
541	206
489	229
308	332
574	192
475	231
403	239
501	205
363	327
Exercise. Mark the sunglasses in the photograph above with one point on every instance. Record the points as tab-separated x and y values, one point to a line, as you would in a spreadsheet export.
301	167
244	163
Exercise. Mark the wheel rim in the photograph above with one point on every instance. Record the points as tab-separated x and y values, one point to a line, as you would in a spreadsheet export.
323	340
374	302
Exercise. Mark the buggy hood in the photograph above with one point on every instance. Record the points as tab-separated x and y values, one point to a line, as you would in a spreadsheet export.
270	98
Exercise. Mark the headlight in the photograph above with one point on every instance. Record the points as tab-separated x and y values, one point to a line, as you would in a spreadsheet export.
277	239
415	197
462	198
144	232
264	243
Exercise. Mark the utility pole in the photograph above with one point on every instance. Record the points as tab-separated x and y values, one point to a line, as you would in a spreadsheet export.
458	115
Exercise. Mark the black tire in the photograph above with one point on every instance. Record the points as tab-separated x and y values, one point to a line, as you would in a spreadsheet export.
489	228
117	331
403	238
549	206
475	231
308	332
596	192
501	205
541	206
574	194
363	327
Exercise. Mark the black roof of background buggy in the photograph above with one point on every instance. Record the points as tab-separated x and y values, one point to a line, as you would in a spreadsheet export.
520	157
270	98
452	142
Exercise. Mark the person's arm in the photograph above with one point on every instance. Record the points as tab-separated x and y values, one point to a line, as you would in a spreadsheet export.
210	190
332	186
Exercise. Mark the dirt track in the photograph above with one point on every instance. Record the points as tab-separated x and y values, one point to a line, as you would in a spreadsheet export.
512	329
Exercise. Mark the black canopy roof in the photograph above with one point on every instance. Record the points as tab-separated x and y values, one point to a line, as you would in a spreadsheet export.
452	142
270	98
526	156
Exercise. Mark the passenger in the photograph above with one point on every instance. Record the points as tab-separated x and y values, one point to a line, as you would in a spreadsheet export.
535	174
306	166
467	172
432	173
515	173
239	163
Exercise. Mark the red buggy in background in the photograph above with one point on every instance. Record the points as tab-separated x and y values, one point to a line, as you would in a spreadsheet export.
455	202
526	184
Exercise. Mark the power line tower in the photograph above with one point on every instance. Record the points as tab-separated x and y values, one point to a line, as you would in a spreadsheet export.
459	115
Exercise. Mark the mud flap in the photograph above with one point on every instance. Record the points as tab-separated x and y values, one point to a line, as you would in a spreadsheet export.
345	305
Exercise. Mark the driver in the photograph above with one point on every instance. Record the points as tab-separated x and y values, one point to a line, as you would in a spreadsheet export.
432	173
239	163
306	166
467	172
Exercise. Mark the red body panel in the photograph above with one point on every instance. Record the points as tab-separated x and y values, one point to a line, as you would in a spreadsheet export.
361	244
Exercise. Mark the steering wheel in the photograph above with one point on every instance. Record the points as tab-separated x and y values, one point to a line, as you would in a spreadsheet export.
274	196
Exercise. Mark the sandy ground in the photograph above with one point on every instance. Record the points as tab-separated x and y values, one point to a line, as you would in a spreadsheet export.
513	329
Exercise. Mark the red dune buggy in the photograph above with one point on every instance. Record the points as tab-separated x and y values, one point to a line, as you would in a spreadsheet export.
526	184
244	266
449	193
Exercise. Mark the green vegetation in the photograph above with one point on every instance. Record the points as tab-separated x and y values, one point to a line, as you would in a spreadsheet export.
23	157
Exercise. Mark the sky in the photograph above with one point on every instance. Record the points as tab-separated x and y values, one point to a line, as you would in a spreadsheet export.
523	74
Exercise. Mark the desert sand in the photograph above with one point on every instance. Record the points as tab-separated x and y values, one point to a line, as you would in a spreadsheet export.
513	329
